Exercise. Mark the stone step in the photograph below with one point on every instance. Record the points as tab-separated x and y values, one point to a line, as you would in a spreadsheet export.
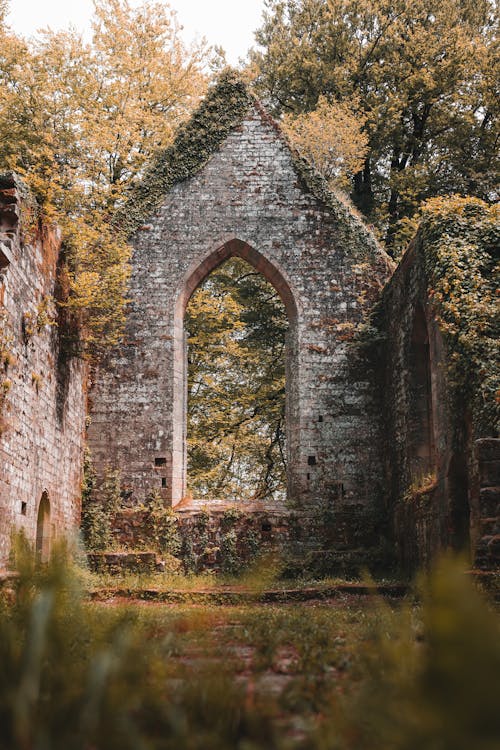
225	595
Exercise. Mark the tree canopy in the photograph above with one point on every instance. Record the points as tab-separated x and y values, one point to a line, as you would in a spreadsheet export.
424	76
80	120
331	138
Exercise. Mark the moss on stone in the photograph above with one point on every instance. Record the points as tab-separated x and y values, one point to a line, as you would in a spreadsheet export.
459	240
221	112
197	140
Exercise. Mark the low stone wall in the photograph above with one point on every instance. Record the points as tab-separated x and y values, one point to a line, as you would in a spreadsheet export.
123	562
323	542
42	389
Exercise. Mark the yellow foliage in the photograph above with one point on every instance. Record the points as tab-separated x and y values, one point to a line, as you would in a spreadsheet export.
80	120
331	139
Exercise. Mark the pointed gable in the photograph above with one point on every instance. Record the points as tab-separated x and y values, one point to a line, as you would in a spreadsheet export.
225	110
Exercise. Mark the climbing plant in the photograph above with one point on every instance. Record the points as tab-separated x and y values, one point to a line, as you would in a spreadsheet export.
459	238
7	361
98	512
162	524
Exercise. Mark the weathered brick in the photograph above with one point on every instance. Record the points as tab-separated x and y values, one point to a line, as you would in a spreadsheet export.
248	201
43	417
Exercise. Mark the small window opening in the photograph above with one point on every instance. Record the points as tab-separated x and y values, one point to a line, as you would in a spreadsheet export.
308	477
164	481
24	507
338	491
311	460
266	529
160	461
320	418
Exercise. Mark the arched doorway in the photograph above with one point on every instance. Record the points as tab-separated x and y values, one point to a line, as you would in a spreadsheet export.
195	276
43	530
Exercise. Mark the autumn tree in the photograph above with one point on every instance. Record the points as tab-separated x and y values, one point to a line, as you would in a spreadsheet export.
425	76
331	139
80	120
236	326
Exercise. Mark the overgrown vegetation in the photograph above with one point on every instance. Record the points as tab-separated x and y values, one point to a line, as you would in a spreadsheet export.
331	138
419	79
163	527
80	120
195	142
6	362
342	674
460	238
98	514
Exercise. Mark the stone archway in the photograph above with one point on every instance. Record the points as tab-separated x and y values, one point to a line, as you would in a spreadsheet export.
193	278
43	536
248	197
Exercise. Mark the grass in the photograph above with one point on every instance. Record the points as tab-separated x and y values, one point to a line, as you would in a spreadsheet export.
347	674
263	575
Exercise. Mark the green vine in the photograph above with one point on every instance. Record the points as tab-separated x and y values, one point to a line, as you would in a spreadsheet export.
98	514
197	140
163	527
459	238
7	360
222	111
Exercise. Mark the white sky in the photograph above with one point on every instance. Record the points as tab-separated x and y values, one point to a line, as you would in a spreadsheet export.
228	23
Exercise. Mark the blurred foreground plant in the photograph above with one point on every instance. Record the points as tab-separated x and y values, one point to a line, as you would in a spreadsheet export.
76	675
90	677
432	674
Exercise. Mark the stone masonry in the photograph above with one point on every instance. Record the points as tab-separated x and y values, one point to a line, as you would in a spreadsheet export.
442	479
249	200
43	396
382	463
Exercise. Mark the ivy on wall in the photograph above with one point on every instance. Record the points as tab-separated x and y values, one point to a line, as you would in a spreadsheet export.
197	140
223	110
460	239
6	361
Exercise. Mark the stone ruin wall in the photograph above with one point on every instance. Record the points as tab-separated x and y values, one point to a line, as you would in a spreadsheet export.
443	481
249	200
382	429
43	391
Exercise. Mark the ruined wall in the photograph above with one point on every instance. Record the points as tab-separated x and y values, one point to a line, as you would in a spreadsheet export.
436	492
249	199
42	398
487	547
228	539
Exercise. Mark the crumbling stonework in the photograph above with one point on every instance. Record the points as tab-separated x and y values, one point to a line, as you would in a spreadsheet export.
487	547
43	396
250	199
228	538
389	421
441	475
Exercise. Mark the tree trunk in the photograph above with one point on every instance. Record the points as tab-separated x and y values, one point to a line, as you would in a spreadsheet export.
362	194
